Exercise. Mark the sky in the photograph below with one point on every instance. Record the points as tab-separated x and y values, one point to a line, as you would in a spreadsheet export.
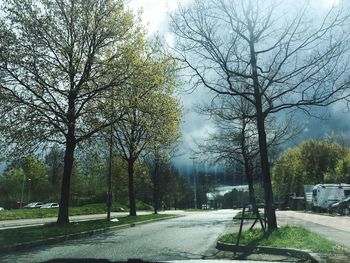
196	127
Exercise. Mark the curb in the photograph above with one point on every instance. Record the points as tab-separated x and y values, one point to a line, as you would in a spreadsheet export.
265	250
58	239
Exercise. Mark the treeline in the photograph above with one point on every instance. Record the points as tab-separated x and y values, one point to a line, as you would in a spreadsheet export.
312	162
30	179
85	74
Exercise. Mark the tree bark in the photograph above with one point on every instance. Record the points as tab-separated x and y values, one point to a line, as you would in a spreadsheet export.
63	215
132	200
269	202
260	118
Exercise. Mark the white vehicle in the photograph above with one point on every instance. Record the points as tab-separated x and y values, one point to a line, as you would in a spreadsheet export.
324	195
34	205
50	205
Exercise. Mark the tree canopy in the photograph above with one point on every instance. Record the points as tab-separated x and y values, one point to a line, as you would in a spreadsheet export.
58	61
312	162
151	110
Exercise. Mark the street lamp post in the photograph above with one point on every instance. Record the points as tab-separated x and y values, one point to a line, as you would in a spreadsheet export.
109	179
109	193
29	181
194	182
22	193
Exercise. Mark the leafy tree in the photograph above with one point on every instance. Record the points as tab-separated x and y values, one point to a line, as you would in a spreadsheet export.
312	162
288	176
341	173
147	100
12	184
25	180
319	157
58	61
274	57
164	136
38	181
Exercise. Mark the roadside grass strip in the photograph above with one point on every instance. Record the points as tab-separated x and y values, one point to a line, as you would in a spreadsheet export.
247	215
286	237
198	210
90	209
10	237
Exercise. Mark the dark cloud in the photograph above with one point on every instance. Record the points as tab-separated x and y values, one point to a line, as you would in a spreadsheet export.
334	119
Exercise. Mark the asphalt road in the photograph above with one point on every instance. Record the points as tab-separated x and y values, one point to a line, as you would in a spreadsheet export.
192	236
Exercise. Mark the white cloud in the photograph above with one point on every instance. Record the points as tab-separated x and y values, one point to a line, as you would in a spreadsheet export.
154	12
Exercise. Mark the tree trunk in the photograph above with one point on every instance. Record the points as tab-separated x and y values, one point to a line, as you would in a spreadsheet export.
155	187
249	176
269	202
63	215
132	200
248	167
260	118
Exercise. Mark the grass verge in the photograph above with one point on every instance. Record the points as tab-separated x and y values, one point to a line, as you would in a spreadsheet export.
287	237
100	208
247	215
198	210
10	237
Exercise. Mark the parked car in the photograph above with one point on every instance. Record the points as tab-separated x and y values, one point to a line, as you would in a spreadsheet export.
342	207
34	205
50	205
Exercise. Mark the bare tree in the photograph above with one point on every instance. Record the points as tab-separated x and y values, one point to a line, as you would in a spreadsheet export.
282	58
236	138
58	61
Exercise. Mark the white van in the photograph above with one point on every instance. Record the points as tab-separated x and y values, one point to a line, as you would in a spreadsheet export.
323	195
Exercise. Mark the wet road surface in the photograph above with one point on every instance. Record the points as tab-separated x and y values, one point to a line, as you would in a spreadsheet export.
192	236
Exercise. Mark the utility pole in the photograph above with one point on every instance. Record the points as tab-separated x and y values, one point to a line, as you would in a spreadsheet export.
194	181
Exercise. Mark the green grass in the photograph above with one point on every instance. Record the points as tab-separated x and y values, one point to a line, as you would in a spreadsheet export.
9	237
247	215
100	208
287	237
197	210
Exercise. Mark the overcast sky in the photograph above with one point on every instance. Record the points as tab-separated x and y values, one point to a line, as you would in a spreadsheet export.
195	127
